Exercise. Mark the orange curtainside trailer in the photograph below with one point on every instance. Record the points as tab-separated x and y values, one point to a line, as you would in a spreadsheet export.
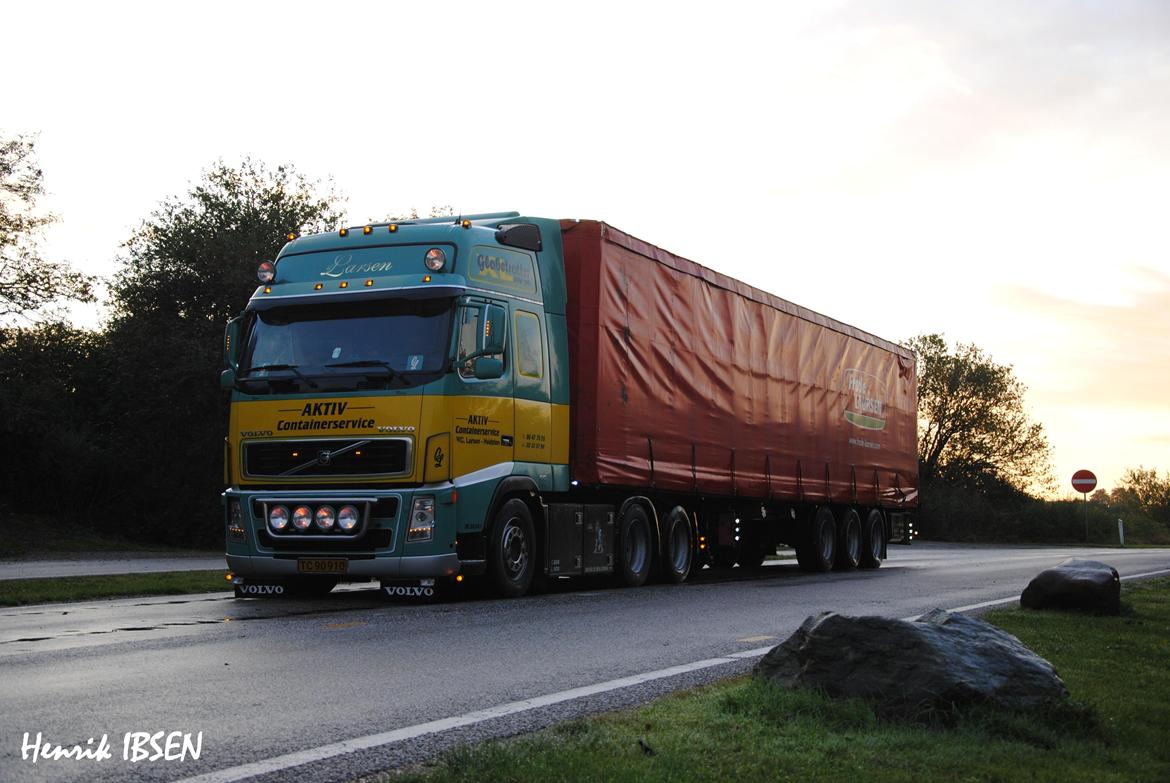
686	380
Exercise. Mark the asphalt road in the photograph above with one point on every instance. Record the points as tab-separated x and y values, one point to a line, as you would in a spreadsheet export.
307	681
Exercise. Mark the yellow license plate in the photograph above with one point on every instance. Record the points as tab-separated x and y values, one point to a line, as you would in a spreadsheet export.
322	565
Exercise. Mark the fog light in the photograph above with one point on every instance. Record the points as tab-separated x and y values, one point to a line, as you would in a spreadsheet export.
325	517
278	518
348	518
302	517
422	519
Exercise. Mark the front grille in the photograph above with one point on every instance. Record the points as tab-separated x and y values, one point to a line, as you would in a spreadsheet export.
349	457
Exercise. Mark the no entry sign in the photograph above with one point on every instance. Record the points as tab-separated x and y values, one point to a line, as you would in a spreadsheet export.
1084	481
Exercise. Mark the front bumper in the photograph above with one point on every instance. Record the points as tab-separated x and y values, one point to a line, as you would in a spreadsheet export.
381	552
421	567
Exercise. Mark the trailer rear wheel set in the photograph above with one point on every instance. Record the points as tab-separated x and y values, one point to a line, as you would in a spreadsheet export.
634	541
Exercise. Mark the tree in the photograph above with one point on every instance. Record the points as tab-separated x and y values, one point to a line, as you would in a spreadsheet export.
1141	489
29	282
973	429
195	258
189	268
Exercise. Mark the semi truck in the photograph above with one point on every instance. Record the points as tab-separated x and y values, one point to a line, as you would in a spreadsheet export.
509	399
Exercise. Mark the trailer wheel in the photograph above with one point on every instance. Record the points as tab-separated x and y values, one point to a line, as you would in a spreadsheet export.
634	557
511	558
848	541
873	540
817	551
680	546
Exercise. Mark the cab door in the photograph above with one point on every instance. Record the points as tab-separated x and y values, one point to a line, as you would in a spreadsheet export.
531	383
483	429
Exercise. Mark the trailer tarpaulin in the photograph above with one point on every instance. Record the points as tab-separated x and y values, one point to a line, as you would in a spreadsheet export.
684	379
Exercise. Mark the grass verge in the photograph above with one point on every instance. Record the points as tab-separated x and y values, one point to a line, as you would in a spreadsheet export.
17	592
1115	727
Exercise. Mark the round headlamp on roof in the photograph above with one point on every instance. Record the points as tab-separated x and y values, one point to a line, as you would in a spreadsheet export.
435	259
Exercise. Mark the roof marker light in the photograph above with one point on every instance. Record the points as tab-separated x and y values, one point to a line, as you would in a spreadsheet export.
292	235
267	289
345	284
318	287
369	283
343	232
466	224
367	230
426	278
393	228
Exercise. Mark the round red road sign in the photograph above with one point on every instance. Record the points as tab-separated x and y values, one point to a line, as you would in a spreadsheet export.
1084	481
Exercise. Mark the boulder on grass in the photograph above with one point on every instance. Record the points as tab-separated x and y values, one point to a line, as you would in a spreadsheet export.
938	661
1085	585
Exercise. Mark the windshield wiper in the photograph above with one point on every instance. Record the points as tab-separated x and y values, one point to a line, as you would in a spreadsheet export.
290	367
391	373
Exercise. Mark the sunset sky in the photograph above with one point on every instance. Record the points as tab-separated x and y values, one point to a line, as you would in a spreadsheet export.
997	172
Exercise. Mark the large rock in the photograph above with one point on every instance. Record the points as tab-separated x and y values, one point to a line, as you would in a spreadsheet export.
1087	585
937	661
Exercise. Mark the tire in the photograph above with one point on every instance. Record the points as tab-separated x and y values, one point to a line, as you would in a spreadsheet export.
873	540
848	541
634	551
512	552
679	547
817	551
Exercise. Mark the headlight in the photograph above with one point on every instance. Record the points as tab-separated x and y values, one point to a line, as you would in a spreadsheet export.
325	517
422	520
278	518
302	517
434	259
347	518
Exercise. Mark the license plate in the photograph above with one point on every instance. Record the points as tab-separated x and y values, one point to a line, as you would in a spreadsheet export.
322	565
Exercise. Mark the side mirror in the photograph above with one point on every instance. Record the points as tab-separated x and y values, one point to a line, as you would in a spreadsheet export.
495	322
227	380
488	368
231	342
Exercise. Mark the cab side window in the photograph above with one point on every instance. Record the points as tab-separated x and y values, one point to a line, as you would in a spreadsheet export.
469	321
529	347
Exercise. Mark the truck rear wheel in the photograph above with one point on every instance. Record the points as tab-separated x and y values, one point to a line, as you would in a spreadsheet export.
848	541
679	550
511	558
634	547
818	550
873	540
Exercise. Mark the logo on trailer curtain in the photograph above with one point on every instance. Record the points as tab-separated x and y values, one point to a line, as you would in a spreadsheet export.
865	408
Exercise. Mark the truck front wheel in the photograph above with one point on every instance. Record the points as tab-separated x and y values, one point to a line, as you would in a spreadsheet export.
511	558
634	547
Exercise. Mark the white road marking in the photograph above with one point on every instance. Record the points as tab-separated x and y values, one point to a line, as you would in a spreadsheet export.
289	760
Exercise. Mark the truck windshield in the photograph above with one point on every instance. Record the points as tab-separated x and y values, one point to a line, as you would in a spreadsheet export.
391	342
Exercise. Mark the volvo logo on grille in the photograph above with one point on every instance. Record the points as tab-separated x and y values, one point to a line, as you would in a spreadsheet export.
323	457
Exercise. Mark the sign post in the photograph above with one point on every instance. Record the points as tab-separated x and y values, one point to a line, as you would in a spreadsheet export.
1084	481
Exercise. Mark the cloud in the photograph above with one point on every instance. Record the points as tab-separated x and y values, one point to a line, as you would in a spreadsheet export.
1114	354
